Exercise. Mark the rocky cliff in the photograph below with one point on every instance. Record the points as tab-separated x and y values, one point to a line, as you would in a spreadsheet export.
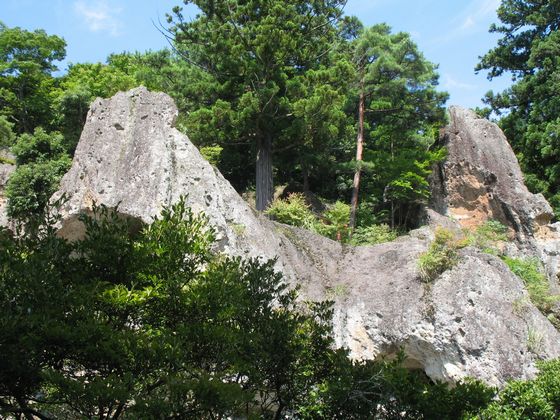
465	323
481	180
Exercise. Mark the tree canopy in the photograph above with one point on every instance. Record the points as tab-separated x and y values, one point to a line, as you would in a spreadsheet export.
27	60
254	55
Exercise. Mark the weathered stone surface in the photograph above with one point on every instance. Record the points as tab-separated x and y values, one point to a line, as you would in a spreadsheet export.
131	155
481	179
6	170
473	321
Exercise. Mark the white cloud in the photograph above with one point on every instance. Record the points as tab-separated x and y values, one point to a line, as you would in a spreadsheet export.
450	83
478	11
98	16
475	17
468	23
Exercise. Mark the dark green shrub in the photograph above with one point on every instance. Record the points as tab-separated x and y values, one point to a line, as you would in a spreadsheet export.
42	161
521	400
30	186
7	135
155	326
38	147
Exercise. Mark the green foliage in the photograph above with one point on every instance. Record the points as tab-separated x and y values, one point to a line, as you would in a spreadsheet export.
7	135
212	154
403	112
488	236
372	235
155	325
528	50
530	271
388	390
334	222
440	257
534	340
535	399
292	211
42	162
262	75
31	186
26	63
38	147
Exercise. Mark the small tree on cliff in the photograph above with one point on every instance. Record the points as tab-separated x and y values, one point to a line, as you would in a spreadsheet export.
249	54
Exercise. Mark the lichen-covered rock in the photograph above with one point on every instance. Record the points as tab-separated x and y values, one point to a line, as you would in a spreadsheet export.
475	320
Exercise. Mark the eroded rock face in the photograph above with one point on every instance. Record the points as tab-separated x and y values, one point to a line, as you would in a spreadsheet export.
481	178
131	156
473	321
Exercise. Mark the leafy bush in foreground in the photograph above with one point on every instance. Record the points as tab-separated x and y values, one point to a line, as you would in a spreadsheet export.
155	325
535	399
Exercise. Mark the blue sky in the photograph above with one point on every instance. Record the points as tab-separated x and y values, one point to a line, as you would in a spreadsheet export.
451	33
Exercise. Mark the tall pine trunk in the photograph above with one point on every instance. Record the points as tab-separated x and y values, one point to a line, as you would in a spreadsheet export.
264	185
359	155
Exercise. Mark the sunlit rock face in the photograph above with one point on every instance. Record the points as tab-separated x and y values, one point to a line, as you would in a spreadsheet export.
481	180
466	323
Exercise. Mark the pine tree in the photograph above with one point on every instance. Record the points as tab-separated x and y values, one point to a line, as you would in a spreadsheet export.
250	53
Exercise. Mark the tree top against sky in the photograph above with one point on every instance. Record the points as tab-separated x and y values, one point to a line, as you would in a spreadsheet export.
451	34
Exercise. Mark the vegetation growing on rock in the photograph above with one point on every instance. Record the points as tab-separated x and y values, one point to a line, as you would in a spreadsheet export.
530	271
440	256
332	223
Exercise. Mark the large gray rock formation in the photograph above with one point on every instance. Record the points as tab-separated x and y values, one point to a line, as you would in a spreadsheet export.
131	156
475	320
481	180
